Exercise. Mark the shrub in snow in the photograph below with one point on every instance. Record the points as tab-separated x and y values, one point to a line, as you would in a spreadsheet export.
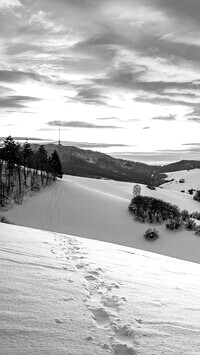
197	230
185	215
182	190
191	191
151	187
190	224
3	219
174	224
136	190
151	234
181	181
152	210
197	196
195	215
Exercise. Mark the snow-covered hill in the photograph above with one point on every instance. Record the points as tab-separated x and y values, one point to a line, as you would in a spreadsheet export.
191	180
67	295
98	209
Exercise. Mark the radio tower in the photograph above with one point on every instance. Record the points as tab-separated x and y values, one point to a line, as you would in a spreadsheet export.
59	136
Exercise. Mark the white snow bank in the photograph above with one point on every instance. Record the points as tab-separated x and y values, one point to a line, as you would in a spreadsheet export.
98	209
67	295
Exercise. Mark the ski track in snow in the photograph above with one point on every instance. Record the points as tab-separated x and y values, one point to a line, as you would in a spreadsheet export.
102	300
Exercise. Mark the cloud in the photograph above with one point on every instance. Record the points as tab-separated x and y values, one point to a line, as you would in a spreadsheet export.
79	124
23	47
194	119
165	118
94	145
27	138
192	144
194	115
16	101
24	98
107	118
106	53
91	96
8	4
10	76
157	100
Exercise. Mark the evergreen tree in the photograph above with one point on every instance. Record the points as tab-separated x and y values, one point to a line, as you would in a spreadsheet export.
10	153
43	161
27	153
56	165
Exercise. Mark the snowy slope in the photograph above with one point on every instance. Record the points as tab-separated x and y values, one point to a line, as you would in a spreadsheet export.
191	177
67	295
98	209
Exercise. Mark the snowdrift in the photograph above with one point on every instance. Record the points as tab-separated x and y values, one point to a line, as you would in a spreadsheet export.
67	295
98	209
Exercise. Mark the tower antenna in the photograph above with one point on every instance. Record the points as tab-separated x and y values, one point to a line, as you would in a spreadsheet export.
59	135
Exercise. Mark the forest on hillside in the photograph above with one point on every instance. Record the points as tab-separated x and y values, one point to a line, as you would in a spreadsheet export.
23	170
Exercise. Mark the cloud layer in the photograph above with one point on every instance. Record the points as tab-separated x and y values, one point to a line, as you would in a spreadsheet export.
101	60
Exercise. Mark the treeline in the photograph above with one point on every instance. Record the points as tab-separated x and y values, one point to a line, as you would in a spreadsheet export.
22	170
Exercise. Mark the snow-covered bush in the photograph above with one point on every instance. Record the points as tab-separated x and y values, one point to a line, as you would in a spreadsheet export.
174	224
190	224
195	215
151	187
152	210
197	230
136	190
185	215
151	234
197	196
181	181
3	219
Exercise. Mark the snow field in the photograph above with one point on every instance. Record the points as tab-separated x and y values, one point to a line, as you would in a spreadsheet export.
98	209
191	177
67	295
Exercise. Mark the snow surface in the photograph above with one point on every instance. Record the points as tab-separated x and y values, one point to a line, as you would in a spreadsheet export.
67	295
98	209
191	177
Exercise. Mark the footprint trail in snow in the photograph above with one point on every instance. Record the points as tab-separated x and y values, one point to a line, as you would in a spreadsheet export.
103	299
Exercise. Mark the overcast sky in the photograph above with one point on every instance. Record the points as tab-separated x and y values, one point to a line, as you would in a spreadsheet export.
119	76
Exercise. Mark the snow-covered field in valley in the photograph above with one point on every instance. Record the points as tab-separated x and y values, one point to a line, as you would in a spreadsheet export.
98	209
67	295
191	180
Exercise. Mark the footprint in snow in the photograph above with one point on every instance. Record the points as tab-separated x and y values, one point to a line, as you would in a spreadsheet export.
112	302
81	266
123	349
124	334
89	338
70	281
68	299
93	275
91	278
101	317
58	321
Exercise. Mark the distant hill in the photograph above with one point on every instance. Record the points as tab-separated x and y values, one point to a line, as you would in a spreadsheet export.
88	163
93	164
180	165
